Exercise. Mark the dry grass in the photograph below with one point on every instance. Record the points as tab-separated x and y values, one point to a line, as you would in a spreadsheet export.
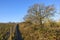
34	32
31	31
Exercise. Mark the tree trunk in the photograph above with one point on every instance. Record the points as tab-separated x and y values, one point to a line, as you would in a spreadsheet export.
41	24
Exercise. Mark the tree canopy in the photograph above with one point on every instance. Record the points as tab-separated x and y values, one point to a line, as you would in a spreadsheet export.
38	12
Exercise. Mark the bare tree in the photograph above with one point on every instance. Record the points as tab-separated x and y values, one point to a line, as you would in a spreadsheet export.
38	12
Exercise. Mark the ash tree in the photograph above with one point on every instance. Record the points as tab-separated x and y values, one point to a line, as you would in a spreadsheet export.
38	12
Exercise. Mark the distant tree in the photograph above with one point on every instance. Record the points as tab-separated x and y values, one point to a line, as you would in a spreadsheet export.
38	12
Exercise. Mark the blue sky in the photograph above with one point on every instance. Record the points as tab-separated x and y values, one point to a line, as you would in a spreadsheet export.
15	10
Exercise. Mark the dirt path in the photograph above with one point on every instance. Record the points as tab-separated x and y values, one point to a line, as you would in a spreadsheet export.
17	34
